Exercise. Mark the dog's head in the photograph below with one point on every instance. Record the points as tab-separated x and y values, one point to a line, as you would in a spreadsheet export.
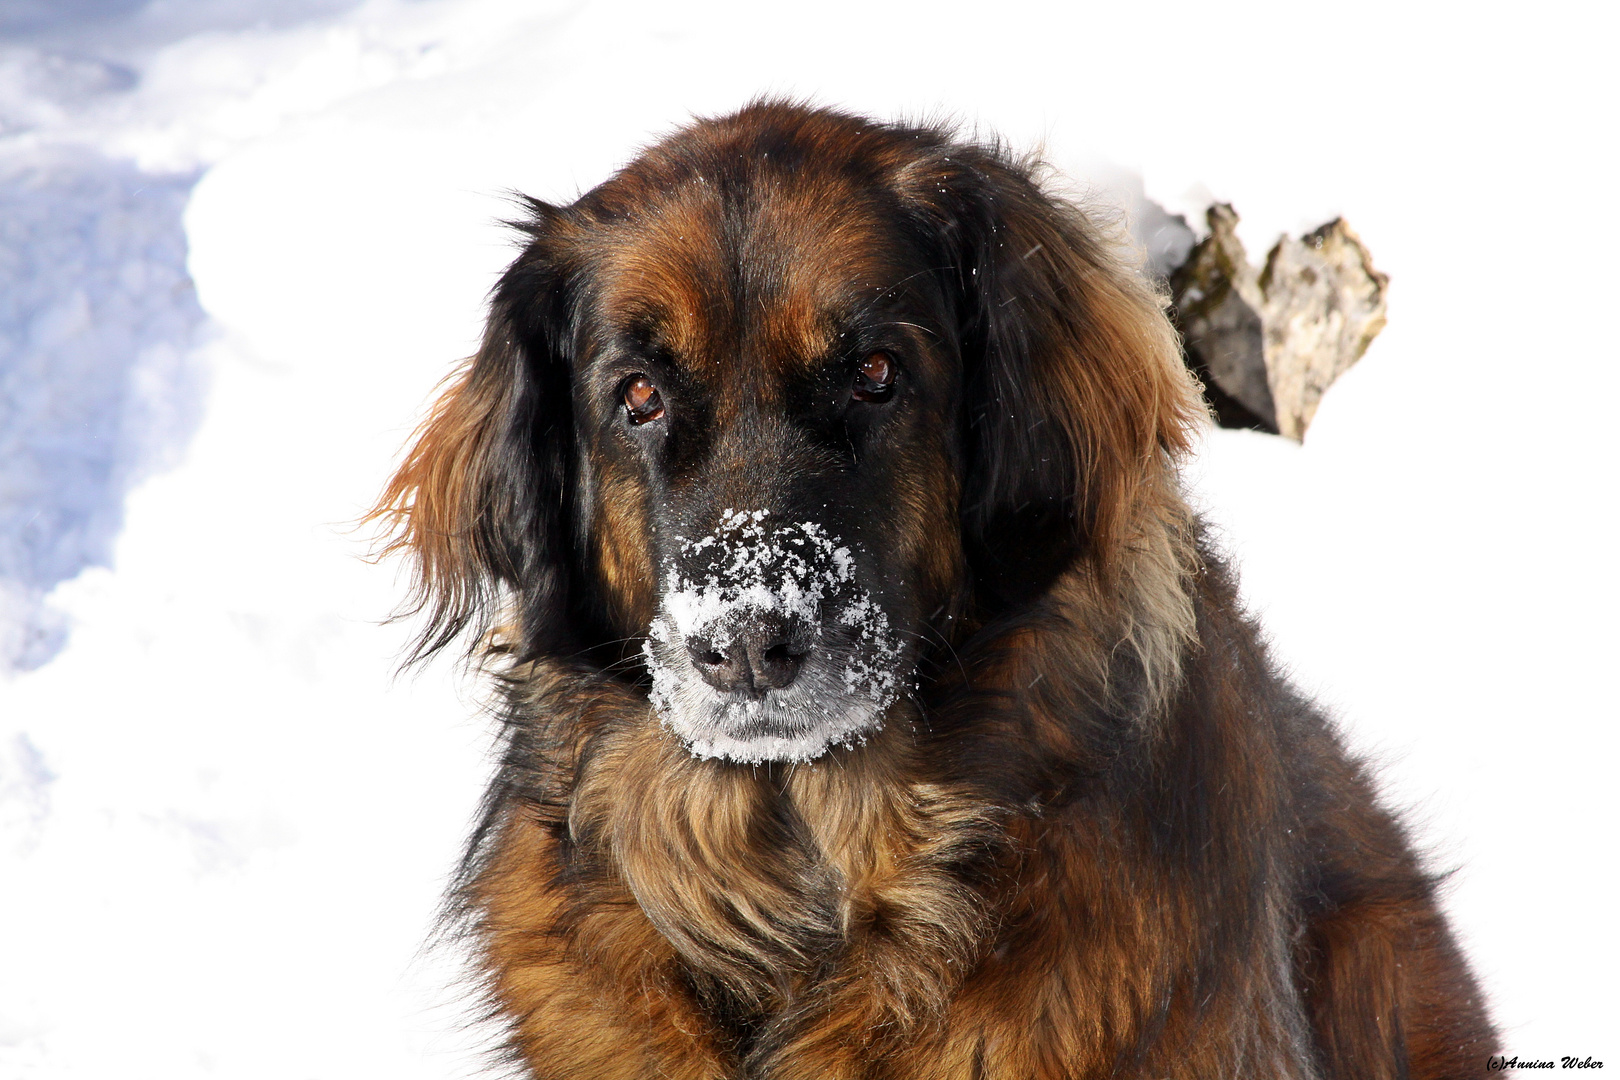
778	403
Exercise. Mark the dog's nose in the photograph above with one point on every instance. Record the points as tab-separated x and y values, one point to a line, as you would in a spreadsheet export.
765	655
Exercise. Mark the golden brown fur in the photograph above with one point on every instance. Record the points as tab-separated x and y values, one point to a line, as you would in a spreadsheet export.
1100	838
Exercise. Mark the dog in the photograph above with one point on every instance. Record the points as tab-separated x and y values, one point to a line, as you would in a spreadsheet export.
874	706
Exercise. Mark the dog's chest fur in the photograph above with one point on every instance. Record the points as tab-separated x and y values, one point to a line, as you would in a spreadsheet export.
771	882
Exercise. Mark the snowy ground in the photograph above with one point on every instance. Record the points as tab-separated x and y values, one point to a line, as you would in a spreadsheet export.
223	823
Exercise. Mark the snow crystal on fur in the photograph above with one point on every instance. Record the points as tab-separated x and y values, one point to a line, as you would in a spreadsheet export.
749	568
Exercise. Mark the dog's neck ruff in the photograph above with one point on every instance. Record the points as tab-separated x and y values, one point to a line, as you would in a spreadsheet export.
751	569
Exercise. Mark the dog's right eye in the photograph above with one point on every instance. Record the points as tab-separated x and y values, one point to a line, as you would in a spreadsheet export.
874	379
642	401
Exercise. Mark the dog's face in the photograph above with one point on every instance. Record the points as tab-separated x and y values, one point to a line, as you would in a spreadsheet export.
776	404
766	391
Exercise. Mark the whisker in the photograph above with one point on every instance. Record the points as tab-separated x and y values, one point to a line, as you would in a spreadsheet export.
914	326
943	640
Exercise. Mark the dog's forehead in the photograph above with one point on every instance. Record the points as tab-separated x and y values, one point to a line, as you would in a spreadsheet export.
767	273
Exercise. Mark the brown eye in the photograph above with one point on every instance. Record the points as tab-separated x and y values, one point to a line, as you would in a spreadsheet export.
642	402
875	378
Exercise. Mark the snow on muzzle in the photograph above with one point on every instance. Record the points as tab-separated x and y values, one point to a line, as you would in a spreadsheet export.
765	648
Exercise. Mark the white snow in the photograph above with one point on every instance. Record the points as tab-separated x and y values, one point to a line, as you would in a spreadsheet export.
226	823
98	385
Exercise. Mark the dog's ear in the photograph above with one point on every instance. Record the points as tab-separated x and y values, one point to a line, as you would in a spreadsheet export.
1077	398
482	504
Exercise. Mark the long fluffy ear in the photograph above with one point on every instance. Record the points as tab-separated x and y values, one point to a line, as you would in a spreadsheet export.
482	503
1078	400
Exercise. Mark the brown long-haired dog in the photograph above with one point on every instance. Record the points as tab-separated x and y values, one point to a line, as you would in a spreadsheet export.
873	706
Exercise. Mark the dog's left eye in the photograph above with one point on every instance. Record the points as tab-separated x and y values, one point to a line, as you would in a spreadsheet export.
874	379
642	401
